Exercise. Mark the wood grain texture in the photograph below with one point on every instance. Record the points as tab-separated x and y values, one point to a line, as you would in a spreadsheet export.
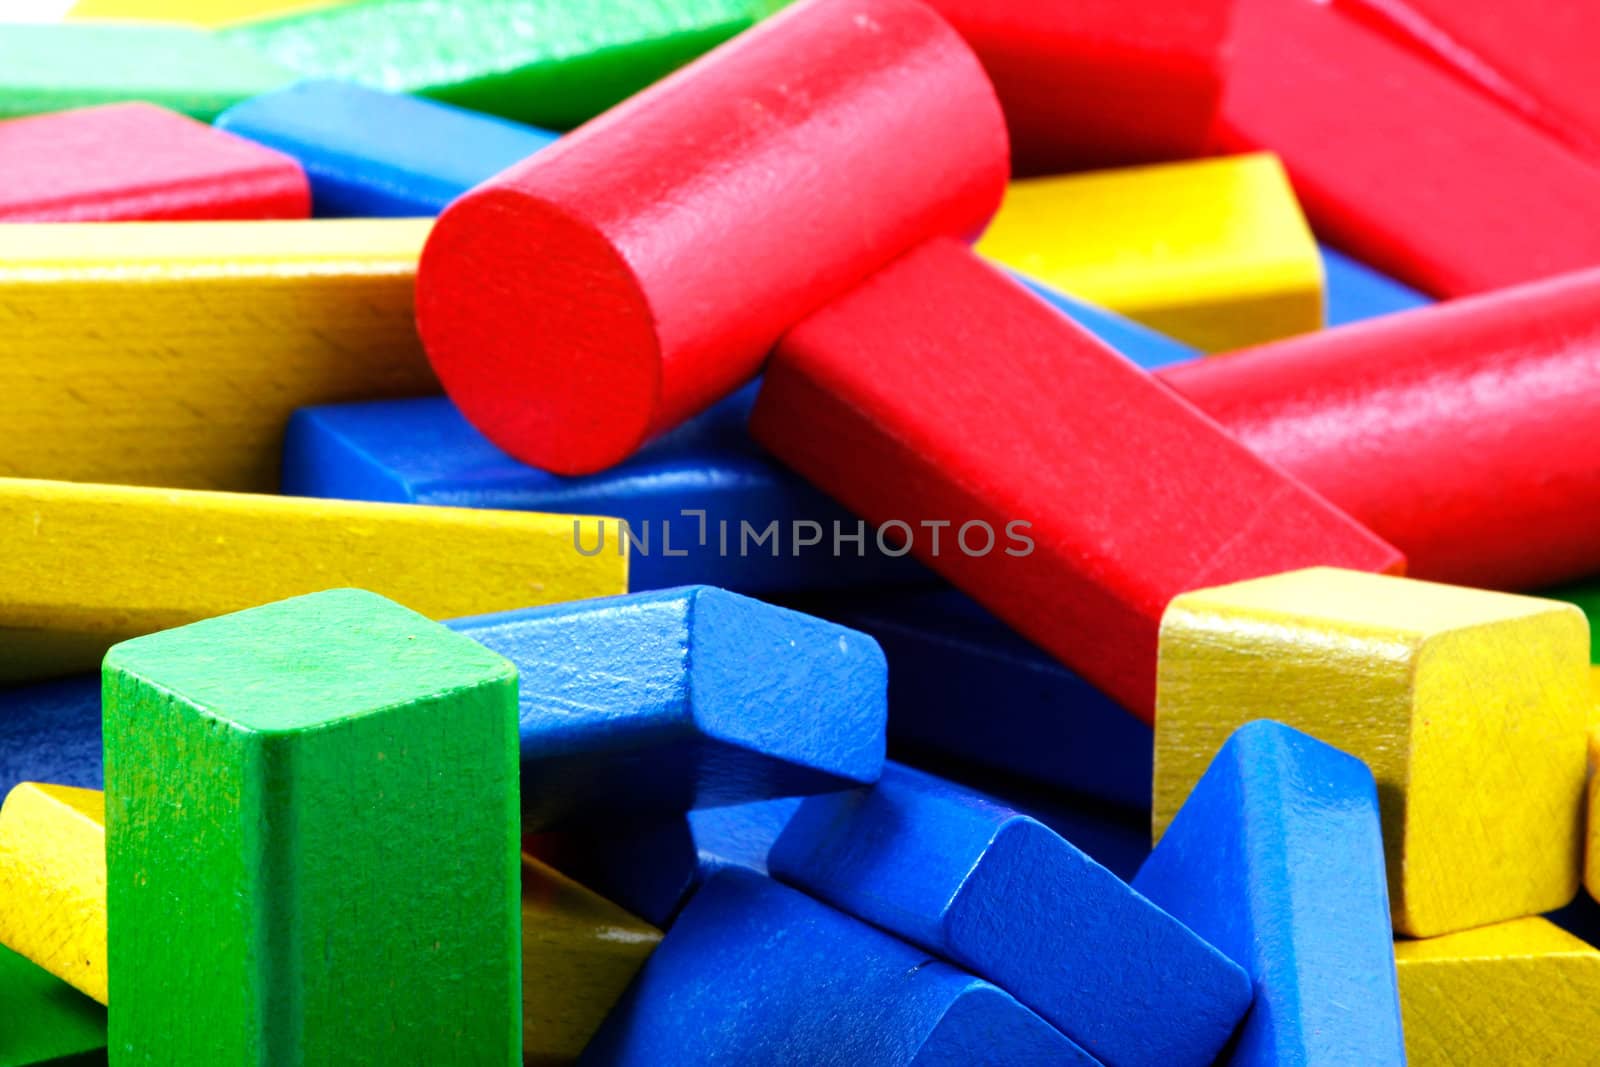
1519	994
195	12
939	391
1470	707
53	882
54	66
173	353
1214	253
283	786
47	1022
88	565
601	329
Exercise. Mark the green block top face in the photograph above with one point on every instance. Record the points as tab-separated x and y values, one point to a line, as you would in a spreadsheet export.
309	661
45	1021
52	67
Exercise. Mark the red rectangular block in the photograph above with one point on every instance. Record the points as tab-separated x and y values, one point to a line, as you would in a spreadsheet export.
940	392
1401	163
123	162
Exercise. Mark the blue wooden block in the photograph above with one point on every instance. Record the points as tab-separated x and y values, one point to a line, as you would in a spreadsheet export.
51	733
964	684
1356	292
755	973
643	705
1277	859
1005	897
425	452
371	153
1145	347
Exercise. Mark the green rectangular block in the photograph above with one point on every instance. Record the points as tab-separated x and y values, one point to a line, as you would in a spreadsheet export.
312	841
56	66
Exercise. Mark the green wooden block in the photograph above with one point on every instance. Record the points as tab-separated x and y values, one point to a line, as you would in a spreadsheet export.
45	1021
311	838
1587	596
552	63
55	66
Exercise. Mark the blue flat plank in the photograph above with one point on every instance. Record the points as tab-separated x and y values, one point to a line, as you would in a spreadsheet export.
1145	347
377	154
1356	292
962	683
51	733
639	706
1003	896
755	973
1277	859
425	452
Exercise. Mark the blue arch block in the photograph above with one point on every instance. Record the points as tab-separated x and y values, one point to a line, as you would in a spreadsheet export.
371	153
1277	859
51	733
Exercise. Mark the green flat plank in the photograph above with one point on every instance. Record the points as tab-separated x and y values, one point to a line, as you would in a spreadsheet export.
45	1021
312	840
552	63
55	66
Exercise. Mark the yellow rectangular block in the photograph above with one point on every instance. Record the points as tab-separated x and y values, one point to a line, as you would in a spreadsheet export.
1214	252
195	12
1518	993
86	566
53	882
1470	707
172	353
1591	869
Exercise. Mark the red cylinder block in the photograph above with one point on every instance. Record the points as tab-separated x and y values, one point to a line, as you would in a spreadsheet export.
641	268
1100	83
1467	434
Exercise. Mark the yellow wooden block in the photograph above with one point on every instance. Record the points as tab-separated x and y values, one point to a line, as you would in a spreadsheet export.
1469	706
579	952
1591	869
196	12
85	566
53	882
172	353
1215	252
1518	994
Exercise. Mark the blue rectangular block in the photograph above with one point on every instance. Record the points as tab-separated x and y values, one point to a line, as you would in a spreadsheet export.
51	733
1003	896
754	973
371	153
1356	292
1277	859
639	706
1138	343
425	452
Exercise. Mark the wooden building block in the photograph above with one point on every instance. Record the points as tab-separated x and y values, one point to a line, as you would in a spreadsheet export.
50	732
47	1022
1591	869
1458	433
1143	346
195	12
1356	292
1276	858
1099	83
704	505
88	565
137	161
605	247
655	703
933	394
53	882
1469	707
1213	252
371	153
1003	896
546	62
222	330
55	66
1586	596
304	800
1518	993
753	972
1398	162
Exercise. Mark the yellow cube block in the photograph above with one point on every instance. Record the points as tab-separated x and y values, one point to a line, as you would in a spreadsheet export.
53	882
1518	993
1470	707
1214	252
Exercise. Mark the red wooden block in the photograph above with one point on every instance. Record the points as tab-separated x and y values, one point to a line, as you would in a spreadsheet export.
122	162
941	392
1401	163
1099	83
1464	433
638	270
